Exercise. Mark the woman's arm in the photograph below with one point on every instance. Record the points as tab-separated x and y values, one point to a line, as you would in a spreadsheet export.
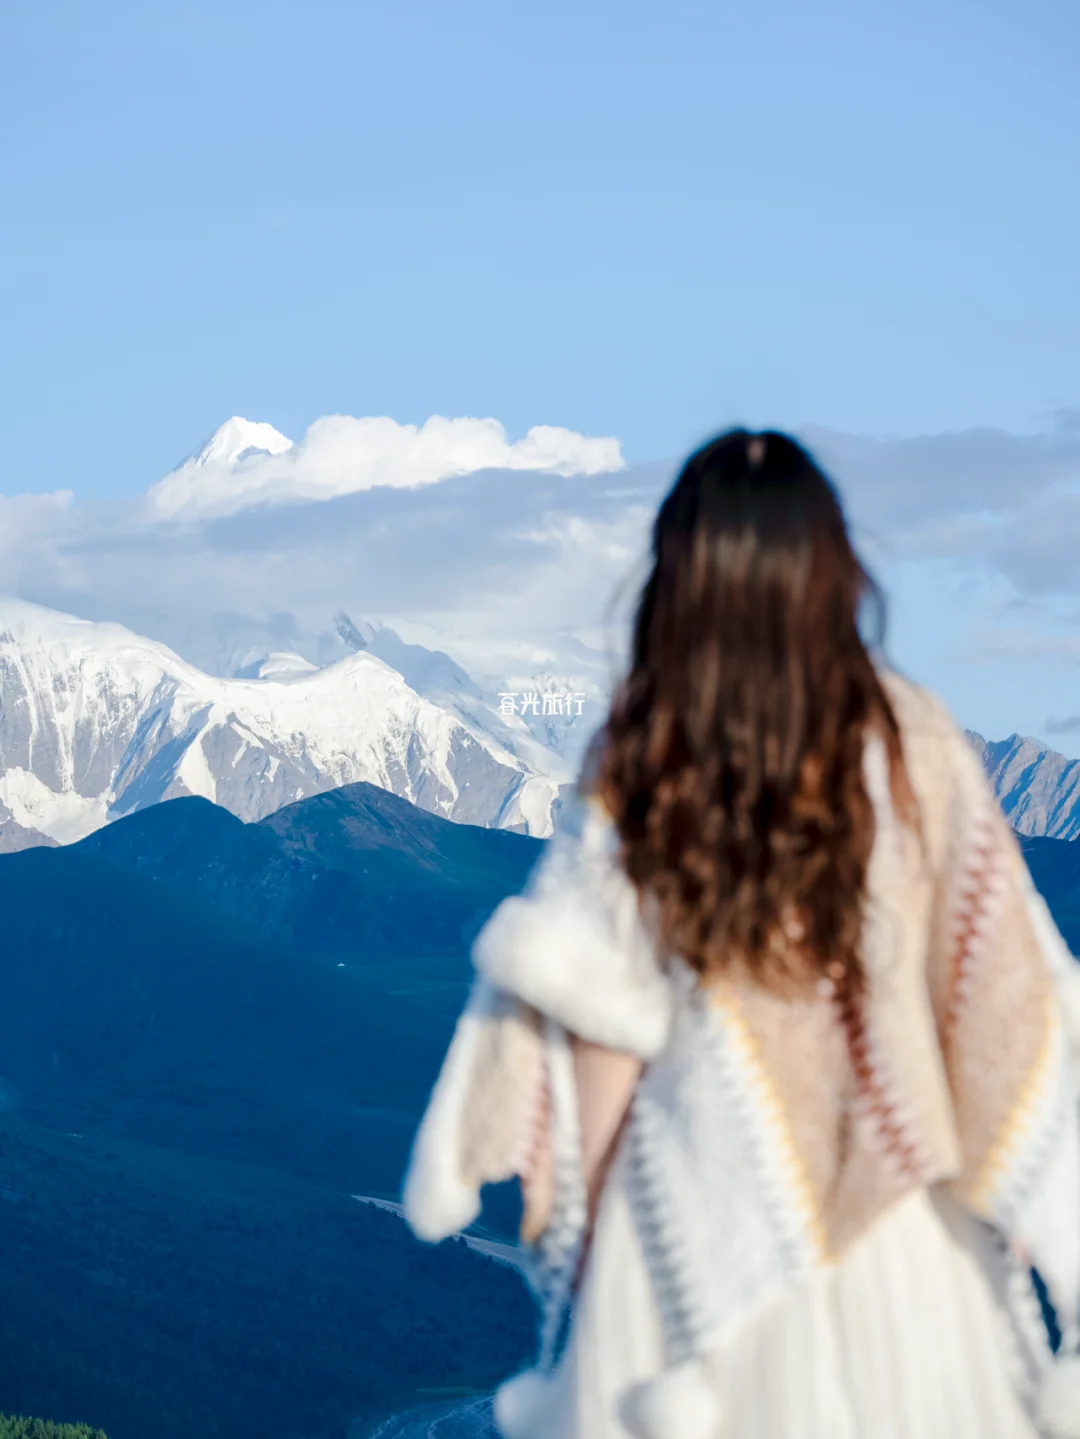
605	1080
605	1083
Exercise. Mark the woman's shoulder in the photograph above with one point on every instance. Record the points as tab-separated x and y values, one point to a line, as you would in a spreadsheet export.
940	759
930	734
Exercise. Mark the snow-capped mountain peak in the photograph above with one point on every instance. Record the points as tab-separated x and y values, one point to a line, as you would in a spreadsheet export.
96	721
218	475
238	440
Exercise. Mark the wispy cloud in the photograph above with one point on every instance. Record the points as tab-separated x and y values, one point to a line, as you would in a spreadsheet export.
904	487
1000	642
989	501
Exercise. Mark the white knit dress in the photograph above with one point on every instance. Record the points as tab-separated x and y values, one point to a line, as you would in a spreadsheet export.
904	1338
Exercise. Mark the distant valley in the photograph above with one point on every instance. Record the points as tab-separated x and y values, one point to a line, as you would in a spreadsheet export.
211	1035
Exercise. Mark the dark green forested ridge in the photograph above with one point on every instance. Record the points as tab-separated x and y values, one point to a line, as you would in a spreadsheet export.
18	1426
1055	868
354	874
192	1085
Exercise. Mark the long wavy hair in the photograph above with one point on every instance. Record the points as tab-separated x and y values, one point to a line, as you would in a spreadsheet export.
731	760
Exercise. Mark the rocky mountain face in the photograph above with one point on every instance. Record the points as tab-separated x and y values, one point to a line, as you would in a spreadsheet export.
97	722
1038	789
14	836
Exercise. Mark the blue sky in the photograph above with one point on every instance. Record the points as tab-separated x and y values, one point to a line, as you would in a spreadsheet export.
632	219
640	221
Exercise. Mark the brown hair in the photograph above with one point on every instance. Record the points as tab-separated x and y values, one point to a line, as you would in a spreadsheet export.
731	760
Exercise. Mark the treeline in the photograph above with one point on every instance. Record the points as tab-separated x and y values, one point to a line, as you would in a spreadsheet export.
18	1426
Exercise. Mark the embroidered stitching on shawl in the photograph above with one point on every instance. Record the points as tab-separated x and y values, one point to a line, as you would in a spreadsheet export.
1005	1046
742	1100
796	1217
882	1103
978	888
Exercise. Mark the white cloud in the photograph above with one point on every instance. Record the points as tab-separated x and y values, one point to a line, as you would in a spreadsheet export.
452	529
491	554
341	455
32	533
23	515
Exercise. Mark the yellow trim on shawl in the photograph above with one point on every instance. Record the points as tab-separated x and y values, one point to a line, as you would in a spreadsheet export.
1004	1150
773	1110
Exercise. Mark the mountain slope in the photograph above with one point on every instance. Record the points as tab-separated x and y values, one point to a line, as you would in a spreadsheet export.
15	836
129	1007
96	722
1038	789
158	1294
351	827
1055	868
354	874
537	737
160	979
187	1104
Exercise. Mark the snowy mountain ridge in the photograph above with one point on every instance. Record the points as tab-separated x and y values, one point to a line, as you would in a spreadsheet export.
96	721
